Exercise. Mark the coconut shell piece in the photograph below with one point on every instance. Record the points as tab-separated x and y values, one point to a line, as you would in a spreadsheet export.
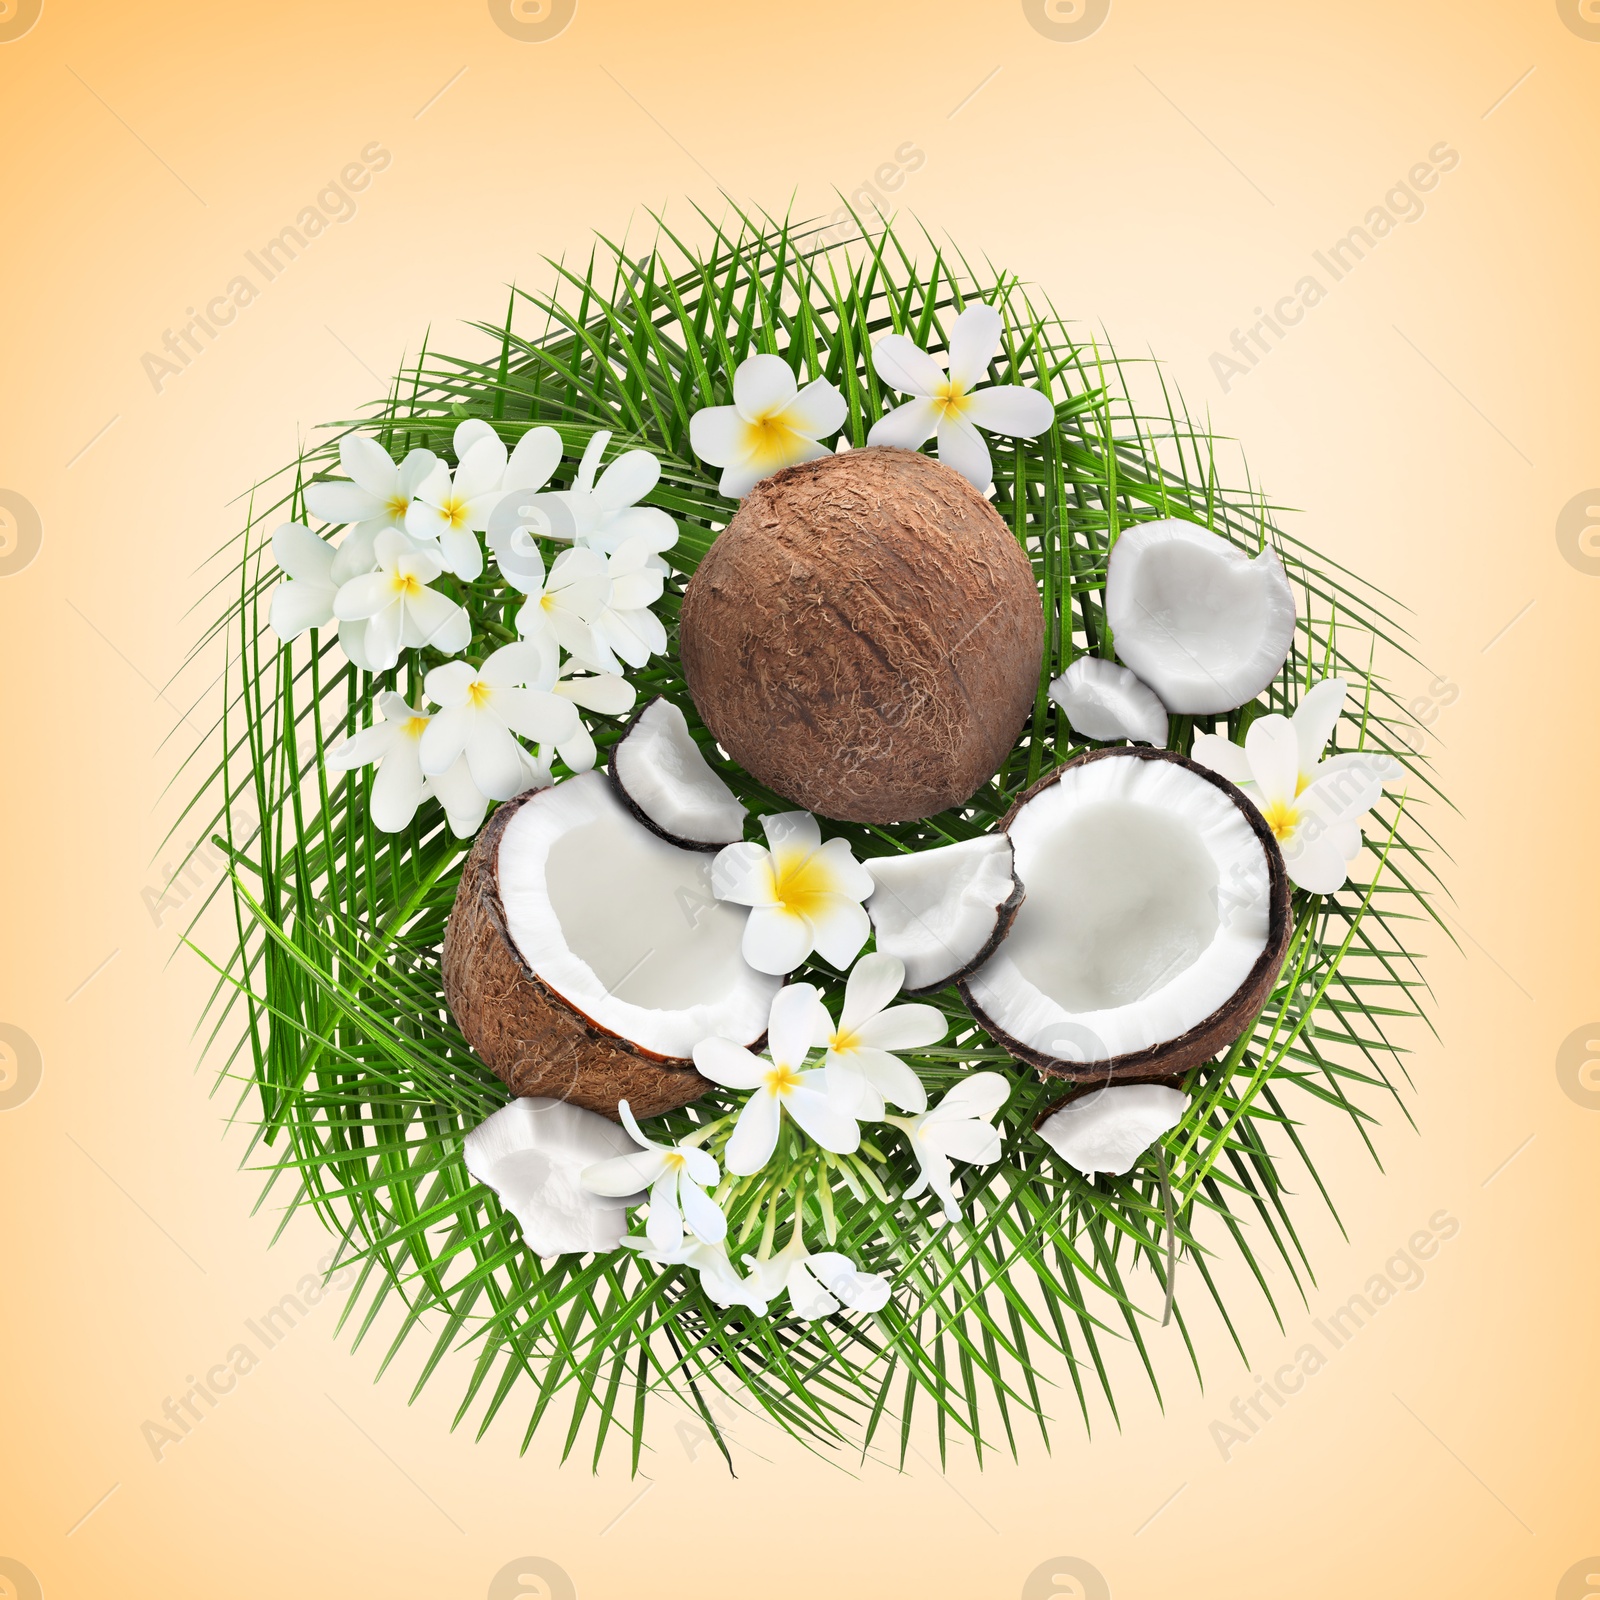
534	1041
864	637
1170	1059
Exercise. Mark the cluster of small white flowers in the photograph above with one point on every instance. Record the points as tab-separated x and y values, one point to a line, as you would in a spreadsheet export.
581	622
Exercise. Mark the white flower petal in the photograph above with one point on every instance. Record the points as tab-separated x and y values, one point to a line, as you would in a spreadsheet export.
775	941
974	343
792	1024
1222	756
717	435
1010	408
755	1135
907	427
821	1118
298	604
797	830
1314	719
762	384
730	1064
961	448
873	982
742	873
817	411
701	1212
337	501
397	790
839	928
903	1027
535	457
1274	754
903	365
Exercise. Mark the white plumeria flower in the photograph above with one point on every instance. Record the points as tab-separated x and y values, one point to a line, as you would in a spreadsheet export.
305	598
804	895
677	1176
605	511
399	609
718	1276
484	708
1108	1129
561	605
862	1071
779	1084
602	692
950	404
398	789
450	509
465	803
625	626
1314	807
957	1129
377	496
772	423
531	1153
817	1282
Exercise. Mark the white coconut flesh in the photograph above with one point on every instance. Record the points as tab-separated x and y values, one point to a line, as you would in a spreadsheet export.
938	910
661	771
1148	902
1105	701
1204	625
623	926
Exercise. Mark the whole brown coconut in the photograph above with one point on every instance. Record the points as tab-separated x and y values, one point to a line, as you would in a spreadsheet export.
864	637
533	1040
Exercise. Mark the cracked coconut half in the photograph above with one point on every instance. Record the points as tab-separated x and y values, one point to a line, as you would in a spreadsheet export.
1155	920
586	956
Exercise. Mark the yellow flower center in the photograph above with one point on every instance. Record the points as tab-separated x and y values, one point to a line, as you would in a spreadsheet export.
454	511
781	1079
952	398
406	584
413	727
1301	784
673	1161
844	1041
1282	818
479	693
800	881
398	504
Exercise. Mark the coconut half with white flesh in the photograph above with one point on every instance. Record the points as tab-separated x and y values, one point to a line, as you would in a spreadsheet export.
663	778
1156	919
1203	624
943	911
586	956
1105	701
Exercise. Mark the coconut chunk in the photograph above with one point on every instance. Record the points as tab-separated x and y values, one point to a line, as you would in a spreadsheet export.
943	911
1107	1130
1156	918
669	785
1203	624
1105	701
531	1153
586	956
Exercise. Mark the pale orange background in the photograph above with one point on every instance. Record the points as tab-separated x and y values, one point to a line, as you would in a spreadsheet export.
1160	179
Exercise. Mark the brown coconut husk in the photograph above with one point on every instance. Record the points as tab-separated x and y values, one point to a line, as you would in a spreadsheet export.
533	1040
1170	1060
865	636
